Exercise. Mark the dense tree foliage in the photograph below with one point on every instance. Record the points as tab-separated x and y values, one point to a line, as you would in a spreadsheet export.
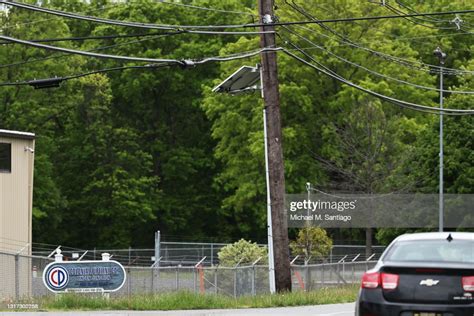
122	154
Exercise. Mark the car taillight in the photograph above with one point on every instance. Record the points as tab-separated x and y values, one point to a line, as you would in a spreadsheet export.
468	283
370	280
389	281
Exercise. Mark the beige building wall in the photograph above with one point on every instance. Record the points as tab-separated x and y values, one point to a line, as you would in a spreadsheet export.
16	196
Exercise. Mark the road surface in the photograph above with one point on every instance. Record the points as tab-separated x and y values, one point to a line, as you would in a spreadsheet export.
321	310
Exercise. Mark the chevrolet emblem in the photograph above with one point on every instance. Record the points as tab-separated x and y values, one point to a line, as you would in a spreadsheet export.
429	282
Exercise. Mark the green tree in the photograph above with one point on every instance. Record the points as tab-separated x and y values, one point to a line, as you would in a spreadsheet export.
311	242
106	177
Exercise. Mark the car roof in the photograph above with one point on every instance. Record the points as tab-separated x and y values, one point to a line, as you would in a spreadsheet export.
436	236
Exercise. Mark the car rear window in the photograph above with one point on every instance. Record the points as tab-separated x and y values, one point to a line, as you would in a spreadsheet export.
461	251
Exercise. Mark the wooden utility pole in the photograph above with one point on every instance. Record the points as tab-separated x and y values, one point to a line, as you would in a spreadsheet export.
275	151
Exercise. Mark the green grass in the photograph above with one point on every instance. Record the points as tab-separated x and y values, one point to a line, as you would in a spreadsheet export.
188	300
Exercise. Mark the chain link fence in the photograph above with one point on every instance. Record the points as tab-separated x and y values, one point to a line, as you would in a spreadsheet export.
21	277
189	253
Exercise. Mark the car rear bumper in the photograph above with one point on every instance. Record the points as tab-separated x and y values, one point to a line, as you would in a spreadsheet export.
373	303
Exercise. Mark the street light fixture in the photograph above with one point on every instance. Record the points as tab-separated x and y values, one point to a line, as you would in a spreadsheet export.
247	79
442	59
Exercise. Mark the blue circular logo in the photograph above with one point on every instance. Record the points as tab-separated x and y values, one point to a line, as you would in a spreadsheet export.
57	278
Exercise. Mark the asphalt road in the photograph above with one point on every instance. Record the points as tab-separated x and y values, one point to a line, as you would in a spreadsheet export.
321	310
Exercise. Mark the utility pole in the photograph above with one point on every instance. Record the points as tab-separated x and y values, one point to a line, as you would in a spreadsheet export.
442	58
276	172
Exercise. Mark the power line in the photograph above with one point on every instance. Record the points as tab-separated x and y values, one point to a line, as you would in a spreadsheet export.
206	8
418	38
433	20
305	13
103	7
98	37
55	81
401	13
404	14
188	29
53	19
54	55
405	104
417	65
89	54
372	71
343	39
410	9
195	27
347	41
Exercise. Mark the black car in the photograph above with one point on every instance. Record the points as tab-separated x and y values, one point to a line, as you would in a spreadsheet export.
426	274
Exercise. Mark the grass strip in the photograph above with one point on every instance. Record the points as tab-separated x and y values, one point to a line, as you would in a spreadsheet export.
189	300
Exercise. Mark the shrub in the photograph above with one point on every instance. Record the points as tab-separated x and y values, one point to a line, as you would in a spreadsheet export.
243	250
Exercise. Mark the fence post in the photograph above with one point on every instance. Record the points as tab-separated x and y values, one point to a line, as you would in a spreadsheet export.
157	250
235	282
17	277
338	274
308	274
254	276
353	272
215	280
254	281
196	267
212	254
322	275
177	278
129	283
152	280
235	277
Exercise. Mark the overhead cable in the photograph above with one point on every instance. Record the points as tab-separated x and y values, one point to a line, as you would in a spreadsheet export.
98	37
418	65
55	55
183	62
433	19
214	27
410	9
457	21
413	20
16	25
188	29
89	54
405	104
205	8
347	41
55	81
373	71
